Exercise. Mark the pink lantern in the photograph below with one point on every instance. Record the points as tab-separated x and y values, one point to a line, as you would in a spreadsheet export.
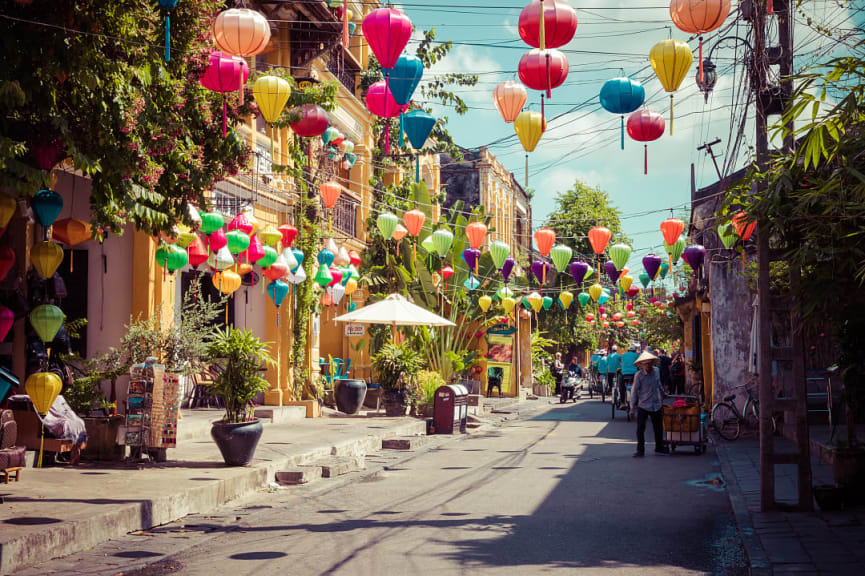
645	126
225	74
381	105
336	273
241	222
7	319
217	240
255	252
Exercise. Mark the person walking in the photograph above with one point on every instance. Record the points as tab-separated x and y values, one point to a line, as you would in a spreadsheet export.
628	371
614	363
646	398
664	367
602	369
677	375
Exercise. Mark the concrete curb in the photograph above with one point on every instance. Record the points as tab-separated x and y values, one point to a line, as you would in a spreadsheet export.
758	561
73	536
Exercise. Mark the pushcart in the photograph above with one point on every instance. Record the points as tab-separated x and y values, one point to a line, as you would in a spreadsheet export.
616	401
684	423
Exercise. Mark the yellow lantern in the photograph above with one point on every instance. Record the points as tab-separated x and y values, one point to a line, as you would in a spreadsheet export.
529	126
565	298
595	291
46	257
43	388
625	282
244	268
509	304
7	210
271	93
227	281
485	302
671	60
351	286
536	301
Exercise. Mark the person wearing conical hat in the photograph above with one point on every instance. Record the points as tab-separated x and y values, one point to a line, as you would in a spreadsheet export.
646	397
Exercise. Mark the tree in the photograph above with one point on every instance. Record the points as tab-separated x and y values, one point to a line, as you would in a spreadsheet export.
89	79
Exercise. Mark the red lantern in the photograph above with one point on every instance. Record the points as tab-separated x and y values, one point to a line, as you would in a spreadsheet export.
336	275
414	220
560	24
7	261
275	271
241	222
447	272
744	229
313	121
543	69
225	74
289	233
7	319
475	232
545	238
599	237
645	126
672	228
354	256
46	151
197	252
590	317
217	240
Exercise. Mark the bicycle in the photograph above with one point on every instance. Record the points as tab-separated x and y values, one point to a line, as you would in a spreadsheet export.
727	419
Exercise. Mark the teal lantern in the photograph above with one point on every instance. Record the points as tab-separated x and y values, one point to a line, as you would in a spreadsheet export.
326	258
442	240
238	241
645	279
471	283
548	302
664	270
417	125
584	298
277	290
46	205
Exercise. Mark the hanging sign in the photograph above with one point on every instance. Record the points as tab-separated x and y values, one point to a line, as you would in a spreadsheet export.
355	330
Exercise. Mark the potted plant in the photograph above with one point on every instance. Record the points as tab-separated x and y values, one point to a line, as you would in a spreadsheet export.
396	366
428	382
237	360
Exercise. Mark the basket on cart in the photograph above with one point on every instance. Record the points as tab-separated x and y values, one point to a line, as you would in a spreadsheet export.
684	424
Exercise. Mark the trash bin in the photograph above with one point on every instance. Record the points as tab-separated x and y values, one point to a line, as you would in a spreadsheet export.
450	409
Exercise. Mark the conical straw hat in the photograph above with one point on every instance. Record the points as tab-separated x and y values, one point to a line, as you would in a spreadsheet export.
646	356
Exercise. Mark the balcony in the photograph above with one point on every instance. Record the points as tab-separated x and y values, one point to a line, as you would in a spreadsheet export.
342	65
345	217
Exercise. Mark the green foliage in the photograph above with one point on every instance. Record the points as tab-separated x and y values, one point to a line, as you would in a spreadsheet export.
541	347
661	327
145	131
396	366
238	357
428	381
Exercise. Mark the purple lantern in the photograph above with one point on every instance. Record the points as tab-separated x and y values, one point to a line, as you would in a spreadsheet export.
694	255
610	269
539	269
471	256
651	264
578	271
507	267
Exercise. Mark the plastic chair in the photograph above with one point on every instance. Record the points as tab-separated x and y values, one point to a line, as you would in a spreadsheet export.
346	368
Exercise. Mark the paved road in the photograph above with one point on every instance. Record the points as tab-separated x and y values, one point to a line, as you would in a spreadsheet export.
551	492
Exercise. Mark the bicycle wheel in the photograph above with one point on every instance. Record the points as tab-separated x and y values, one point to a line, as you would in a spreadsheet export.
726	421
752	414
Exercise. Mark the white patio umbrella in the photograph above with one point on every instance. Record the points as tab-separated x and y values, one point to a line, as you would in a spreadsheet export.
394	310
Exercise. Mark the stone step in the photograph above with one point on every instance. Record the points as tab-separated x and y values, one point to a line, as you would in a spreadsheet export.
280	414
298	475
339	465
404	443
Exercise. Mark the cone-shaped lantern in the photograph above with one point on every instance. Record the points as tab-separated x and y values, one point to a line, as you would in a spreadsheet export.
671	60
529	127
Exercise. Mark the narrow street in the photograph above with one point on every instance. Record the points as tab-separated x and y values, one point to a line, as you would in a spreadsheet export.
554	490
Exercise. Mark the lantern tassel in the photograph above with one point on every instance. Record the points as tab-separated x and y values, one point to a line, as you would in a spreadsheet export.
71	263
386	120
527	170
623	132
225	119
671	114
549	87
543	114
168	37
401	137
41	443
701	59
645	158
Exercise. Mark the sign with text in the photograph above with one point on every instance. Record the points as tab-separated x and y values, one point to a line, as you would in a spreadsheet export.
355	330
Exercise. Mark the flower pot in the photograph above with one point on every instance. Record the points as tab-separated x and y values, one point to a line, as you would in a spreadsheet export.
394	403
349	395
237	442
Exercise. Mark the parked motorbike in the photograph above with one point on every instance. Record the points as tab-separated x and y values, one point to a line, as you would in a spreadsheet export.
569	387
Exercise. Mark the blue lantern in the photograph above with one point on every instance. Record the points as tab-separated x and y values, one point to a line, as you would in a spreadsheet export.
404	79
277	290
46	205
418	125
622	96
471	283
325	257
298	256
168	6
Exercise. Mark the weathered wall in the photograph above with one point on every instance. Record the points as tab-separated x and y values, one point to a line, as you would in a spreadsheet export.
461	181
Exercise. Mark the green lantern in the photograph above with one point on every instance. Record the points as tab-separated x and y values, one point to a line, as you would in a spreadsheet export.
270	256
504	292
442	240
526	304
619	254
664	270
428	245
323	277
387	223
499	252
645	279
727	235
211	222
548	302
46	320
589	273
238	241
172	257
584	298
675	250
561	256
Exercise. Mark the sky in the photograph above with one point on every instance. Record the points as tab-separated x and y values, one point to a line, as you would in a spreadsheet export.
582	140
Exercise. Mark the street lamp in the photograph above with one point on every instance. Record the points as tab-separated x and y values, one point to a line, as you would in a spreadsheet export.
710	77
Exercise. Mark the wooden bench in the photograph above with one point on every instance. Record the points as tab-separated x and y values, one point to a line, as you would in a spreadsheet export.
13	473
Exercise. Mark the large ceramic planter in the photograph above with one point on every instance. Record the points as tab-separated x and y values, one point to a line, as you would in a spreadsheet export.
237	442
349	395
394	403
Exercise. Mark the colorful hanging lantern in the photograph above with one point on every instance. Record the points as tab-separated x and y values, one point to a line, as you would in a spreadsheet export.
211	222
529	126
255	252
241	32
559	24
645	126
632	292
238	241
694	256
387	223
561	256
329	135
671	60
428	244
565	299
399	232
499	251
311	121
185	235
323	276
342	258
271	94
335	276
545	238
8	206
504	292
217	240
590	317
485	302
442	240
548	302
46	321
675	250
330	192
536	301
46	205
227	281
277	290
417	125
43	389
46	150
472	258
405	76
325	257
743	228
671	229
172	257
270	236
622	96
509	304
381	102
7	320
224	74
599	237
276	270
414	220
509	98
619	254
476	232
699	17
625	282
611	270
539	269
727	235
46	258
578	271
507	267
645	279
71	231
471	283
543	70
197	252
289	233
387	31
596	291
652	264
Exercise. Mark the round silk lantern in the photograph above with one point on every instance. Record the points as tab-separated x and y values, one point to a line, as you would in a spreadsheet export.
645	126
442	241
7	261
548	302
543	70
354	255
289	233
645	279
270	236
414	220
596	291
221	260
578	271
197	252
172	257
381	102
559	24
545	238
386	224
350	286
217	240
242	222
619	254
238	241
536	301
485	302
471	257
227	281
387	31
241	32
405	76
255	252
277	290
276	270
625	282
699	17
330	192
694	256
565	299
323	277
561	256
342	257
185	236
509	98
46	258
671	229
622	96
428	245
337	292
476	232
504	292
325	257
499	251
599	237
7	320
335	276
509	304
271	93
529	127
43	389
671	60
312	121
329	135
225	74
46	205
471	283
8	206
211	222
46	321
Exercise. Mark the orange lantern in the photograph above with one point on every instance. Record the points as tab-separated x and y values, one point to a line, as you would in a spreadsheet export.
631	313
509	98
72	232
620	324
743	228
672	228
414	220
476	232
617	316
244	268
545	238
606	324
635	322
699	17
330	192
590	317
399	232
241	32
599	237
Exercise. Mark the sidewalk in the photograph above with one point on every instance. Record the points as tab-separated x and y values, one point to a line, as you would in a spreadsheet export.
786	542
57	511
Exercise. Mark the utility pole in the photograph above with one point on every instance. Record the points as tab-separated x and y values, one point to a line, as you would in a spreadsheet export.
708	148
773	101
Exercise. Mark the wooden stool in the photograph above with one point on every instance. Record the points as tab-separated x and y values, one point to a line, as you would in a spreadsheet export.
13	473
